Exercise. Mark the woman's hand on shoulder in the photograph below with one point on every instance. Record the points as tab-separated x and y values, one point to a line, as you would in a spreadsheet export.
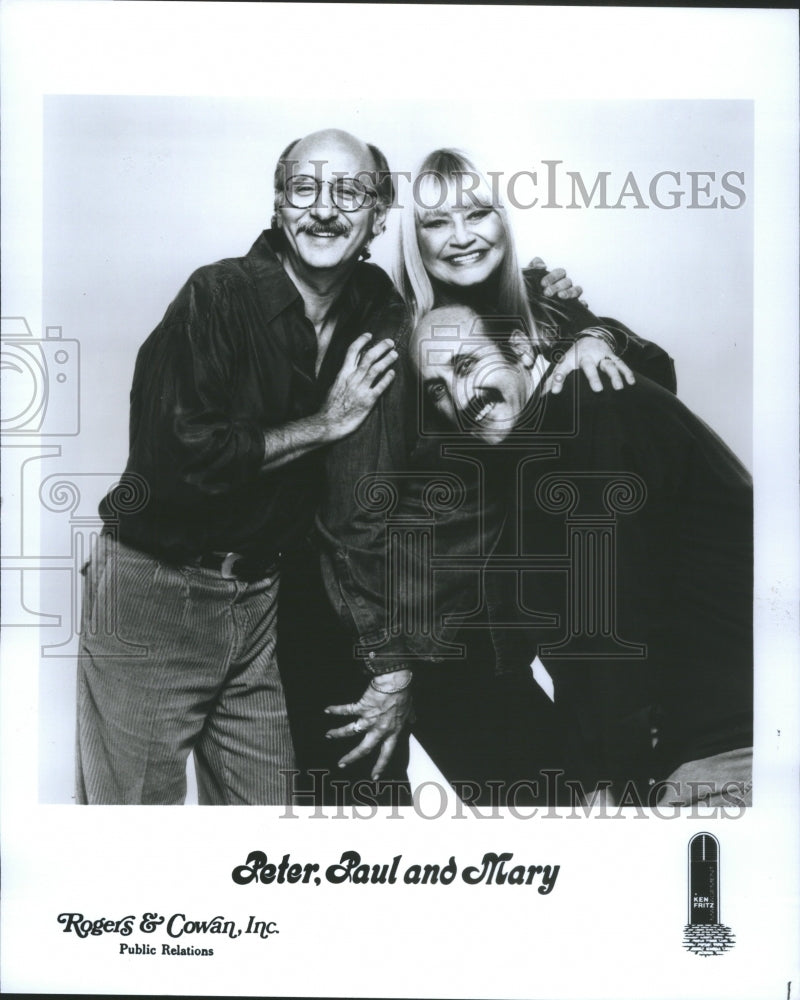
592	355
557	283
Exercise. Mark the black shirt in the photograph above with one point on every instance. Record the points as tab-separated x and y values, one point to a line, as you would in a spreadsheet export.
638	475
233	355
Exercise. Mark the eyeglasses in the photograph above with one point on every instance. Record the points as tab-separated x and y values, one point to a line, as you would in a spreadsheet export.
347	194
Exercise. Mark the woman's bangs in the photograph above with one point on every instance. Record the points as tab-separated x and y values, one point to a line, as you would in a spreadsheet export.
476	193
435	193
430	193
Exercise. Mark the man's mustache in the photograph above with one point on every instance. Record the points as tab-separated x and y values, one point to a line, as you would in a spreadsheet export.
333	228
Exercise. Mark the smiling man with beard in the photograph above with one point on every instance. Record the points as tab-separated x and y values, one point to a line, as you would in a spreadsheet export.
258	363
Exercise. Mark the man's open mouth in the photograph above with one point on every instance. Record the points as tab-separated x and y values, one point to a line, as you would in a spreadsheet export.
483	403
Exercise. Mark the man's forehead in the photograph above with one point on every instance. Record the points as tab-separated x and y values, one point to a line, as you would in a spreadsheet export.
438	345
432	354
321	157
451	326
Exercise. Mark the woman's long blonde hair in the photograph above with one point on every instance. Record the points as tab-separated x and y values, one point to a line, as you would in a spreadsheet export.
448	168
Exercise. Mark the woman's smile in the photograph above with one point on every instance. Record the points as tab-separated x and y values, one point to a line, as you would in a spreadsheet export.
465	259
461	246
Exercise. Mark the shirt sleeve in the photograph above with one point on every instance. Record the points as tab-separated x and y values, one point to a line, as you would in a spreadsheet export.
565	320
365	478
186	427
643	356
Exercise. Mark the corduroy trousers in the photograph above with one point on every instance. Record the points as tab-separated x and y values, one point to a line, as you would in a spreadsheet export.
176	660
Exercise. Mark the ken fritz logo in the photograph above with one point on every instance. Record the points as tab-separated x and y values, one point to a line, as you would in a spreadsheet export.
704	934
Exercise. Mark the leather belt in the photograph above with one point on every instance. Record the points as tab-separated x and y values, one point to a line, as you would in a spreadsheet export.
230	565
233	565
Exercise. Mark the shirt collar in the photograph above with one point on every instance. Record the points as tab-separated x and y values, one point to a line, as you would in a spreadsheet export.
367	286
268	272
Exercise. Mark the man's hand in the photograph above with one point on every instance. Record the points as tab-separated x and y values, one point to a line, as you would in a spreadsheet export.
592	356
558	283
379	715
364	375
362	378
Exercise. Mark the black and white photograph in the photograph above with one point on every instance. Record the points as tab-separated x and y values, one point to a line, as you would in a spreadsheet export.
399	439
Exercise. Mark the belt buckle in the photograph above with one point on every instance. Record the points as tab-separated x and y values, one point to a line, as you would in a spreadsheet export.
226	569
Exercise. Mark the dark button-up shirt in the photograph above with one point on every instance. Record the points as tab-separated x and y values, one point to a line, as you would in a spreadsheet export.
679	583
625	563
233	356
